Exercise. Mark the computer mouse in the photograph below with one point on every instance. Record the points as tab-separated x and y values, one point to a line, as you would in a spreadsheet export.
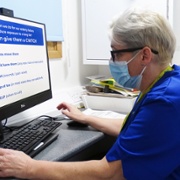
76	124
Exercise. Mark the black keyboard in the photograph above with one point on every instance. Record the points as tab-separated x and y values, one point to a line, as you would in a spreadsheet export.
32	137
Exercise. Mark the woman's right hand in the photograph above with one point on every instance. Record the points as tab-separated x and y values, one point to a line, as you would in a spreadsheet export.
71	112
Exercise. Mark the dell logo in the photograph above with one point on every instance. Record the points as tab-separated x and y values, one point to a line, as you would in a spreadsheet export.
23	105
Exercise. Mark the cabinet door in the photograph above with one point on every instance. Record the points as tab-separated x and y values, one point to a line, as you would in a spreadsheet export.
48	12
96	15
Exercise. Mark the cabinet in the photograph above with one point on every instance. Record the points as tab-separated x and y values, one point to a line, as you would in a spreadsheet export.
96	15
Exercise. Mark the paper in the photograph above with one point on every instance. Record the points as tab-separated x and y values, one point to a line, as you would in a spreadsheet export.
104	114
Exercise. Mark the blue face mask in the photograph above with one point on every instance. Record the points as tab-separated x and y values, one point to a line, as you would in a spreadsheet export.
119	71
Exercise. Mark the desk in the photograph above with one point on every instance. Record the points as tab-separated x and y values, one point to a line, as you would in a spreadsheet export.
76	144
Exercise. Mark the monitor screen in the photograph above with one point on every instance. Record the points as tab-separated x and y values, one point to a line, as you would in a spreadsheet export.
24	65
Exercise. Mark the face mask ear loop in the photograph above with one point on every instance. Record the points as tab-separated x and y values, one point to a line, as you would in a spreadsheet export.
133	57
143	70
139	83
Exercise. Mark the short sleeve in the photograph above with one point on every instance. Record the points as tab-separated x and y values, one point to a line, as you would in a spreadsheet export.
146	145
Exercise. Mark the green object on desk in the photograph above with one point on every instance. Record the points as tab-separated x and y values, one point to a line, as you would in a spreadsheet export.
104	82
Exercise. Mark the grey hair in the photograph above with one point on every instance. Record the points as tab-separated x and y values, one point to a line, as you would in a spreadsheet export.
139	28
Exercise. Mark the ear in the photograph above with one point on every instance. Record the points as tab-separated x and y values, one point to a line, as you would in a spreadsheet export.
146	55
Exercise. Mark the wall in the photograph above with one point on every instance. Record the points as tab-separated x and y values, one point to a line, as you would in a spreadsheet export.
70	71
176	27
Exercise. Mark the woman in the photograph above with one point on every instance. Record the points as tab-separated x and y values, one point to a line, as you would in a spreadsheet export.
148	142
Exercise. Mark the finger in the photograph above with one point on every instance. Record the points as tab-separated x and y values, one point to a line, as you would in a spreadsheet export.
65	112
4	151
1	151
63	105
60	106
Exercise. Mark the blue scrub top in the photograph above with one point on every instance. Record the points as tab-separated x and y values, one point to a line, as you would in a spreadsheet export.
149	143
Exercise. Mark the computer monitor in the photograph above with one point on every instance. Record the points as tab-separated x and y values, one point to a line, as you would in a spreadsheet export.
24	65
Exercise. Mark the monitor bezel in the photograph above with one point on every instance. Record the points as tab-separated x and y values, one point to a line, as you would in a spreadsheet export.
33	100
